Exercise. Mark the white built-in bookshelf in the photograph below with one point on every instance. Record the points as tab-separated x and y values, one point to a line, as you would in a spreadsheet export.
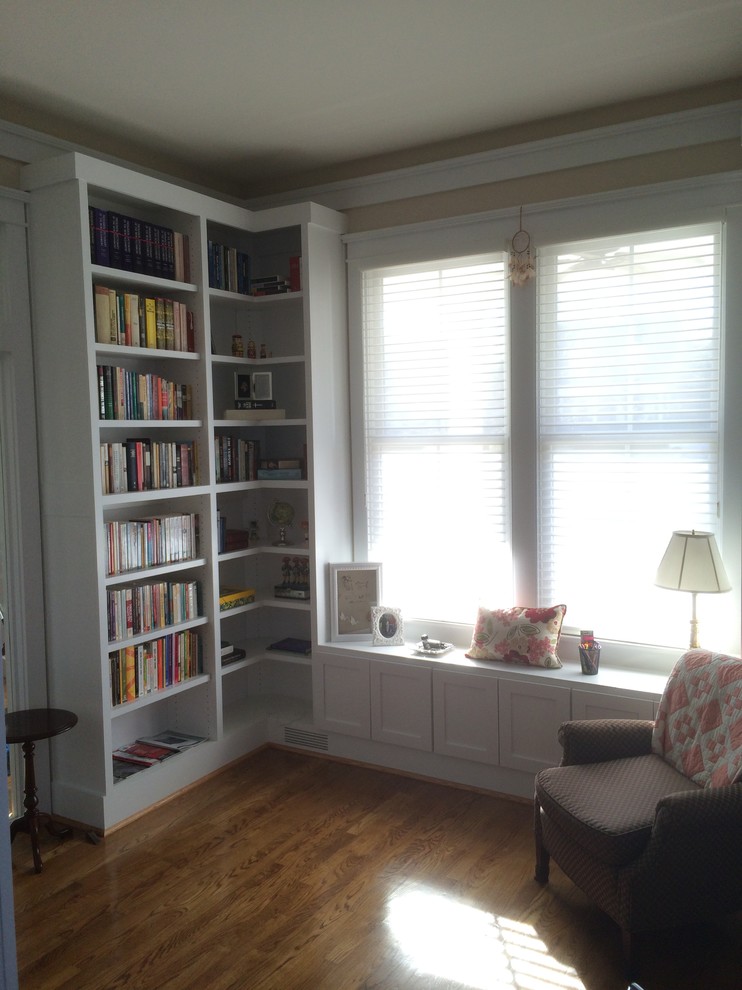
146	515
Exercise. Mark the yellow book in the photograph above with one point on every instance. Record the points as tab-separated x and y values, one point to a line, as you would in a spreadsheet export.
131	676
150	322
234	597
105	317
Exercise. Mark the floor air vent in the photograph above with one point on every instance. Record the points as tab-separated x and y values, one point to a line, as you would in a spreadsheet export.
301	737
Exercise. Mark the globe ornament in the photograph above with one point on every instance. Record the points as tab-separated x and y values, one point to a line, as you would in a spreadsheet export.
281	515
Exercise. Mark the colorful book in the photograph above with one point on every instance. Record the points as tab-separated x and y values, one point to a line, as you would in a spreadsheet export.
144	751
235	597
173	741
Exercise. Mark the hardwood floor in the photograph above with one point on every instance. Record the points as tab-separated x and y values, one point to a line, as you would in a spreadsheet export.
293	872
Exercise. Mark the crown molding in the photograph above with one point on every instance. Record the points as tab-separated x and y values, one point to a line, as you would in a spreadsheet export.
709	192
687	128
667	132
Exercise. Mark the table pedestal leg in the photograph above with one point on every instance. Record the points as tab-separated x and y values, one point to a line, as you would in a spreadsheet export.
30	821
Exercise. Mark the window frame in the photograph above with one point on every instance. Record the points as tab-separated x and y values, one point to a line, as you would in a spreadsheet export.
657	207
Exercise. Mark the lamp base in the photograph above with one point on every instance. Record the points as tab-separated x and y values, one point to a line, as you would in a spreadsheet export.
694	644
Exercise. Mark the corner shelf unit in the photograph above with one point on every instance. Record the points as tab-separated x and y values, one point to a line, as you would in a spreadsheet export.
93	537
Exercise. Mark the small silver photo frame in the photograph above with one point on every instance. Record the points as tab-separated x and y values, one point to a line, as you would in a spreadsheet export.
262	385
387	626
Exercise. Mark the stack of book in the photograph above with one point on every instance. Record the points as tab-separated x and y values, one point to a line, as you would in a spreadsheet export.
143	753
250	410
269	285
236	459
125	394
291	644
229	269
120	241
231	653
147	465
131	320
281	469
135	544
230	598
149	751
144	668
141	608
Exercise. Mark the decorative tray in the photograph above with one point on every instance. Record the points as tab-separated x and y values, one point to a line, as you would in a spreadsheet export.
432	647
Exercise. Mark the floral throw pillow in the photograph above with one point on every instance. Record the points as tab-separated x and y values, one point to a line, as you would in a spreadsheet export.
518	635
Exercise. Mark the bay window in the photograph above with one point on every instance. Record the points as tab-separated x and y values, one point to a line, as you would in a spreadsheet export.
538	445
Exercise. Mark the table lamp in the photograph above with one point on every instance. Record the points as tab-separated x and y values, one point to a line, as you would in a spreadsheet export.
692	562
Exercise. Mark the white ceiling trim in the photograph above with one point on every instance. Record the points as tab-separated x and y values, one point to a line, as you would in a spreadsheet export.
662	133
22	144
699	198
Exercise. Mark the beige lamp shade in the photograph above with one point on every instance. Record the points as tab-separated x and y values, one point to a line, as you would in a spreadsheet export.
692	562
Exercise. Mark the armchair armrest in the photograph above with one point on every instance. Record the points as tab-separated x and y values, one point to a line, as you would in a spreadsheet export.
603	739
702	817
694	851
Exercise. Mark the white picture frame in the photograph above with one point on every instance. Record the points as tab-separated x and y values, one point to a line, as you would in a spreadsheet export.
262	385
354	589
387	625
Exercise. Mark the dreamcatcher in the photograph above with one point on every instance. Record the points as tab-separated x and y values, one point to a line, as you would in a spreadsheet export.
522	266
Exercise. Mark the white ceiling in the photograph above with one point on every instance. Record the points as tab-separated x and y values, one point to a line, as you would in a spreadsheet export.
249	91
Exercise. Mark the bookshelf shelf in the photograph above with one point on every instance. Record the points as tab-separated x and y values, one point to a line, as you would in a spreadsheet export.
295	551
150	353
257	362
122	276
156	495
270	424
243	299
150	424
127	707
115	644
147	573
303	335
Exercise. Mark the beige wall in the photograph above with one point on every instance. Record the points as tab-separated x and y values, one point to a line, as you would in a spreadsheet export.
681	163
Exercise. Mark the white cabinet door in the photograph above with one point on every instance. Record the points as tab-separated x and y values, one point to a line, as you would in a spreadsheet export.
465	717
401	705
591	704
342	701
530	716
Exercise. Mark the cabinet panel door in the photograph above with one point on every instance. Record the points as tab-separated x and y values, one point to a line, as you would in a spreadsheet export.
590	705
465	718
341	695
530	716
401	705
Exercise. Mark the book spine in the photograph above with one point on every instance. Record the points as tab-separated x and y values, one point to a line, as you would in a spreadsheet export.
255	403
100	244
295	273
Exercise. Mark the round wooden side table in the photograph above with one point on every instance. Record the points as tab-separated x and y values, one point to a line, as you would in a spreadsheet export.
28	727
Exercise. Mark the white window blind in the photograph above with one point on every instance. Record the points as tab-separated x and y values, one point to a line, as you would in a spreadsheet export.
629	365
436	434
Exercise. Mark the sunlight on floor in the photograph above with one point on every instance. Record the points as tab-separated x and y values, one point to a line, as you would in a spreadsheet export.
445	938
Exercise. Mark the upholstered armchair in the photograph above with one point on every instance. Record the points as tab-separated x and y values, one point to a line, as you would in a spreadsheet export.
646	817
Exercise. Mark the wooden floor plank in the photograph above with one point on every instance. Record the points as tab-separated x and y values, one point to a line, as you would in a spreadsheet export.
293	872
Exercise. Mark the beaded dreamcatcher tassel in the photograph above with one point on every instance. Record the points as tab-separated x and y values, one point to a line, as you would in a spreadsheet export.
522	264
